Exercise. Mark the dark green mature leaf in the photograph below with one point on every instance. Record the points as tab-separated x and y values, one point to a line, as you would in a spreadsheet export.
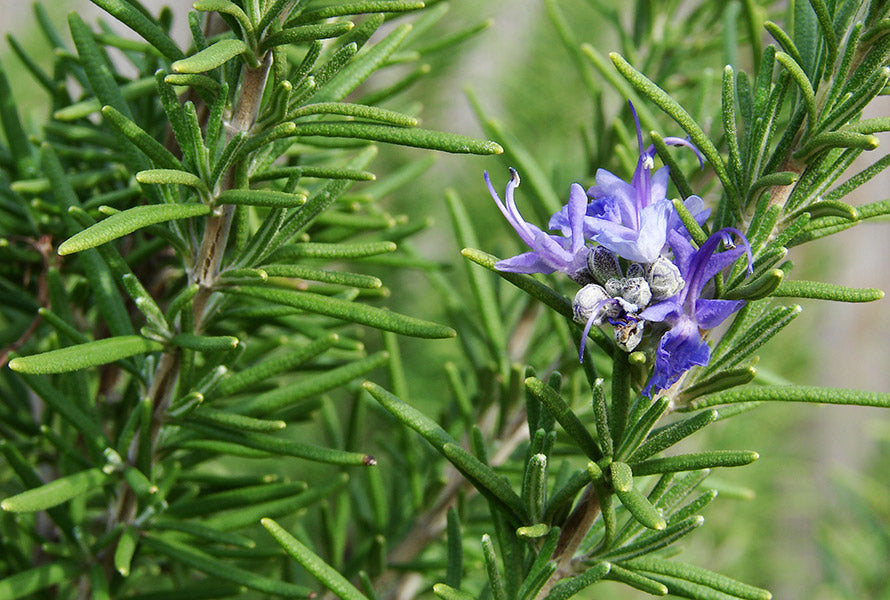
687	572
137	21
567	588
128	221
224	570
792	393
562	412
56	492
414	137
82	356
693	462
313	563
349	311
25	583
826	291
489	483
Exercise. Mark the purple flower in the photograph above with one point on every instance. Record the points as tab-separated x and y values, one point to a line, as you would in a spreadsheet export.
567	253
687	313
632	219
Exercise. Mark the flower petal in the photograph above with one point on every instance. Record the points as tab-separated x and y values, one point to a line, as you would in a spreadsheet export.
528	262
710	313
679	350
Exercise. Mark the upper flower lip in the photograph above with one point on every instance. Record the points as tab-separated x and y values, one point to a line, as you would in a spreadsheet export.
567	253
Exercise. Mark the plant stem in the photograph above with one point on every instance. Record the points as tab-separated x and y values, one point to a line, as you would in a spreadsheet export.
573	533
216	232
205	273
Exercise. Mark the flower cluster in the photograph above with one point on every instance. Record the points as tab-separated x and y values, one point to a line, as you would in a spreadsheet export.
626	245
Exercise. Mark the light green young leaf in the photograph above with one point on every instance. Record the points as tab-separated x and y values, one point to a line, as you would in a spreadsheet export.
204	343
211	57
634	501
446	592
55	492
172	177
82	356
123	552
636	580
319	569
128	221
358	111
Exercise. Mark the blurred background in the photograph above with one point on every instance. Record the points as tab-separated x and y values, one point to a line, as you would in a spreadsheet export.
821	526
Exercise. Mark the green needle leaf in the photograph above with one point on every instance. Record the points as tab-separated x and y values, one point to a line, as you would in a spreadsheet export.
349	311
25	583
319	569
270	198
670	106
826	291
562	412
128	221
491	484
172	177
537	290
126	547
216	568
228	8
211	57
55	492
82	356
692	462
125	12
792	393
446	592
694	574
635	502
286	447
800	78
567	588
293	35
414	137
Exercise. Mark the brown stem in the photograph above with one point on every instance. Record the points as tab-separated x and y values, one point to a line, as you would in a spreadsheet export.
205	273
573	533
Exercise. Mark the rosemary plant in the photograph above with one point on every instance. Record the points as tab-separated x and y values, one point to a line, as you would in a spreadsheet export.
206	395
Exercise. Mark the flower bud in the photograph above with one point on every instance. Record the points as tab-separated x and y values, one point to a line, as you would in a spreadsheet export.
590	299
636	291
603	264
664	279
635	270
